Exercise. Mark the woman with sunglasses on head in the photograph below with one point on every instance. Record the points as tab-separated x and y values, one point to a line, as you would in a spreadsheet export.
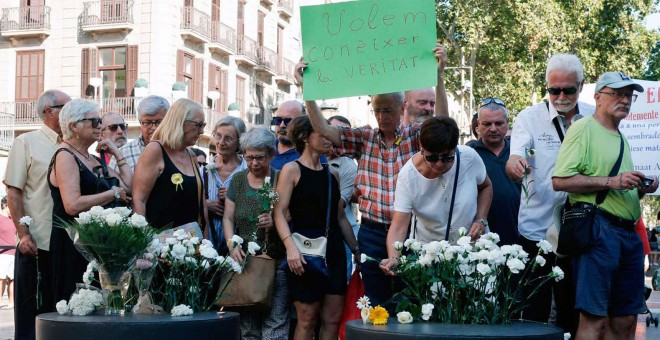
167	186
217	177
428	184
73	178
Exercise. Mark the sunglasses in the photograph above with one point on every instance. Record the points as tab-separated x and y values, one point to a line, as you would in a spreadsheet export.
278	121
114	127
95	121
555	91
491	100
435	157
57	106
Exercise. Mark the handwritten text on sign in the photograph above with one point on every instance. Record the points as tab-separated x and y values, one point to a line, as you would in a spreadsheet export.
368	47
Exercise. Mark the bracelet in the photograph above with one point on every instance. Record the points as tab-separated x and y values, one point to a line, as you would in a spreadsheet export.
284	239
607	184
121	163
121	160
230	244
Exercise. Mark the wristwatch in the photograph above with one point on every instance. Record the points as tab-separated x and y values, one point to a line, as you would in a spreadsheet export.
117	194
482	220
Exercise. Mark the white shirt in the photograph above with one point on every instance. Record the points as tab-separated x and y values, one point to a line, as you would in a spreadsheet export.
534	129
430	199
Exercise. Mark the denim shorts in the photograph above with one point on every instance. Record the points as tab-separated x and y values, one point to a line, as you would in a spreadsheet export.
609	276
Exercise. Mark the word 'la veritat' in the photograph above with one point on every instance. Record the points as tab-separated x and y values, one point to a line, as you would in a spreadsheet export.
341	23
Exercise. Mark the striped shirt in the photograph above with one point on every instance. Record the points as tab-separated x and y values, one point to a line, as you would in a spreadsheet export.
131	153
378	165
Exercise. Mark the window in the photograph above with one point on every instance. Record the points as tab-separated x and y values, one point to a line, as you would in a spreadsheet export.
218	82
215	10
240	95
29	75
189	72
260	29
112	66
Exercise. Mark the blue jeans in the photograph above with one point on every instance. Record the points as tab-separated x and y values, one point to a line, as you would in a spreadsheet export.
349	253
377	286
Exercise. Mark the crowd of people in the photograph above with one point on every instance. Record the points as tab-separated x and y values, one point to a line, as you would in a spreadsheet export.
408	176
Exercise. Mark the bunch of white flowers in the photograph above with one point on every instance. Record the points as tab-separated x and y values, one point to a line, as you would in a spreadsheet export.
181	310
88	275
112	217
83	302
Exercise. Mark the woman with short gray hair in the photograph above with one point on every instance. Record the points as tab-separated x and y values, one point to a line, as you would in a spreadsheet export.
76	186
245	217
220	171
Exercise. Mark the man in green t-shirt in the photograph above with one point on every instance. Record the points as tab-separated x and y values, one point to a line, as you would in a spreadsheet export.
610	273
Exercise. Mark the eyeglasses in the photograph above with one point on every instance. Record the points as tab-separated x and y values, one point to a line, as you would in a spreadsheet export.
555	91
95	121
226	139
258	158
149	123
435	157
619	96
382	111
491	100
114	127
57	106
278	121
198	125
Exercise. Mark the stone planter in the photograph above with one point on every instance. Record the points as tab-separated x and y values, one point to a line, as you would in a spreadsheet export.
52	326
431	330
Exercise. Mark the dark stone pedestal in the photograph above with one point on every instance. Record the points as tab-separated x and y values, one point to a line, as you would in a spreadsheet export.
356	330
52	326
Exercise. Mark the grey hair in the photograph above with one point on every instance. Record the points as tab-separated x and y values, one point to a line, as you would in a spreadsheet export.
494	107
398	96
48	98
234	122
259	137
110	113
74	111
567	63
150	105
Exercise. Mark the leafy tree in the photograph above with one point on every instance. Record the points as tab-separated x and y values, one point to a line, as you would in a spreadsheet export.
653	65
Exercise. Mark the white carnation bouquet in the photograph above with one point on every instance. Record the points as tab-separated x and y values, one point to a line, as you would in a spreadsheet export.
466	283
189	272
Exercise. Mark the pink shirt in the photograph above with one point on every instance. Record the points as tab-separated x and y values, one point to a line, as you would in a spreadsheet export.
7	235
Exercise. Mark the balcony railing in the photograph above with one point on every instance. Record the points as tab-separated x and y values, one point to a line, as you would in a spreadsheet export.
196	21
107	12
223	35
286	6
24	112
6	130
125	106
285	68
247	47
25	18
267	58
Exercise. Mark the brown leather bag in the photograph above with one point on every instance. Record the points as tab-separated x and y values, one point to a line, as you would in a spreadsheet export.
251	290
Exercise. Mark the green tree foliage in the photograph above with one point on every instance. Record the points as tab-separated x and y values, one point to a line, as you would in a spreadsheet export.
508	42
653	65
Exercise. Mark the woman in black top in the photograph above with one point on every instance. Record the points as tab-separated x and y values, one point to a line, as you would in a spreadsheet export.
303	188
72	181
167	188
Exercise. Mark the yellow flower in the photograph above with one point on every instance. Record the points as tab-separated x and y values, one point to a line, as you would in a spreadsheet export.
177	180
378	316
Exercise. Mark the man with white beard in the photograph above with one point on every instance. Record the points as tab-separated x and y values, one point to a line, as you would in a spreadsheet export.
537	135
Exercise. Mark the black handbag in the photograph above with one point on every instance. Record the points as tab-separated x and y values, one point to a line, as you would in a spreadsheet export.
575	234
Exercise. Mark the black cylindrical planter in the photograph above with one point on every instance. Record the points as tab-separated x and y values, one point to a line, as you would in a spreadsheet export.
52	326
356	330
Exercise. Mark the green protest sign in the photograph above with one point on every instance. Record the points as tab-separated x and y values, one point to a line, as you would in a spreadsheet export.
368	47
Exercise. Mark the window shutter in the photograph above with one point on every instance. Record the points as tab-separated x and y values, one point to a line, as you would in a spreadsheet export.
223	89
198	82
131	68
179	65
94	62
84	72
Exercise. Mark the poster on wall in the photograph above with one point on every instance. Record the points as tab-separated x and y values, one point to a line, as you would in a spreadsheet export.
368	47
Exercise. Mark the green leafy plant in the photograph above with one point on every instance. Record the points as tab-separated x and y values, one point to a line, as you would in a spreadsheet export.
178	86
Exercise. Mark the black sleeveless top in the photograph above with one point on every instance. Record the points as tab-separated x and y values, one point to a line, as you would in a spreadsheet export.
309	202
173	205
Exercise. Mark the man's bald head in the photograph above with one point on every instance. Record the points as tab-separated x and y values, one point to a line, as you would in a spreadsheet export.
287	111
420	104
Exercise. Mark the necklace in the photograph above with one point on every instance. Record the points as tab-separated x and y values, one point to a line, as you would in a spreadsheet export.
82	154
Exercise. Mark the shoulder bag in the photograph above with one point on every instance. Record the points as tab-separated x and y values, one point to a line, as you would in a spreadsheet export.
575	234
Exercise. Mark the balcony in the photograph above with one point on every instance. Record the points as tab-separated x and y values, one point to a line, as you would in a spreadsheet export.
195	25
247	51
107	16
25	22
285	9
211	117
285	72
125	106
266	61
6	131
267	3
223	39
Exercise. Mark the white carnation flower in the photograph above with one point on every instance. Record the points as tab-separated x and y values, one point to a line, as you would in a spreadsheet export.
407	243
84	218
416	246
557	273
180	234
483	269
194	240
190	260
206	243
398	245
113	219
253	248
208	252
62	307
96	211
138	220
404	317
235	266
237	239
171	240
427	310
181	310
540	260
515	265
178	251
462	231
26	221
363	258
205	264
267	179
544	246
123	211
